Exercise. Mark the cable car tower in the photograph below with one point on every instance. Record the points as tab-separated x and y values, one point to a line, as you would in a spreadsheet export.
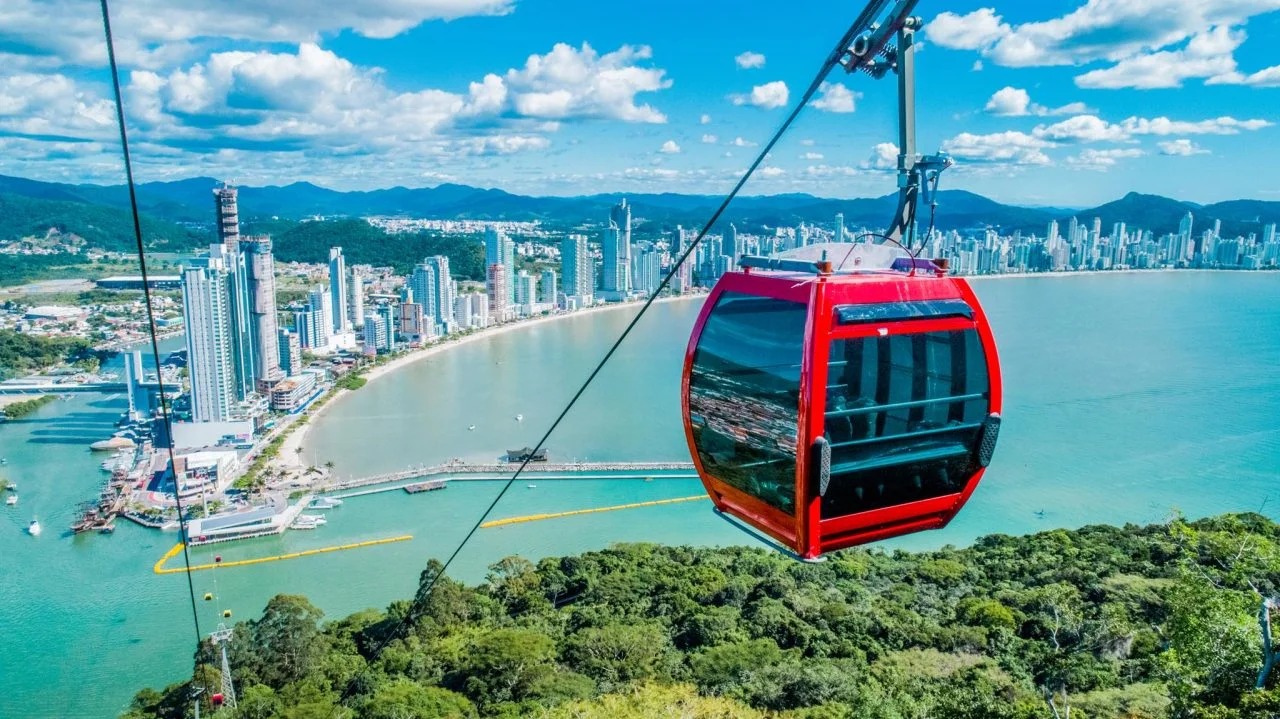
221	638
870	52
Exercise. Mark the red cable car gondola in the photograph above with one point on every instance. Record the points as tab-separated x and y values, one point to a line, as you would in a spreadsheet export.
829	409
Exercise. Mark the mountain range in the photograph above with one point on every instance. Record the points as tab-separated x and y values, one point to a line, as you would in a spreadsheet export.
189	203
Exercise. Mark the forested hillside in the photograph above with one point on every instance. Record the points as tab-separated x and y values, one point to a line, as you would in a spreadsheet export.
100	226
1102	622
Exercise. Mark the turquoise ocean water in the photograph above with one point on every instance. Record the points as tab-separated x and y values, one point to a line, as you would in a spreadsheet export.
1127	397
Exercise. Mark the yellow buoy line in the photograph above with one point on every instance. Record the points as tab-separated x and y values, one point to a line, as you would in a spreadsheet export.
159	567
595	510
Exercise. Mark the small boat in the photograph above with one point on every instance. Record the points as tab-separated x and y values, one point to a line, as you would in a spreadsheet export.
308	521
531	486
4	460
472	428
34	528
11	500
325	503
107	529
519	418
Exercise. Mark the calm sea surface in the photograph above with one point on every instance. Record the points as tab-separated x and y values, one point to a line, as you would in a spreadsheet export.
1127	397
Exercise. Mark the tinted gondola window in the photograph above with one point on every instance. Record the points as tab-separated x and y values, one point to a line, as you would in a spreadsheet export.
744	394
903	416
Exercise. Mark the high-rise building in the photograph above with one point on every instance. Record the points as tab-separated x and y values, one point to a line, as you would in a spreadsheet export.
838	234
422	284
210	359
548	288
355	307
498	293
290	352
228	216
731	241
441	312
500	250
321	317
526	291
375	333
648	270
615	270
575	266
304	326
338	295
413	323
263	330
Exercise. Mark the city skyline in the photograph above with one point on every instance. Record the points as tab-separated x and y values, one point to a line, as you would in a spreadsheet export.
1060	103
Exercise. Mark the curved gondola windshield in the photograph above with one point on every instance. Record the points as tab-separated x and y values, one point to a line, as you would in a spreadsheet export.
903	415
744	394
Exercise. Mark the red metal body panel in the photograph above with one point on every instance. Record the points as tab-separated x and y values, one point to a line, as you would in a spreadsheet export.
807	533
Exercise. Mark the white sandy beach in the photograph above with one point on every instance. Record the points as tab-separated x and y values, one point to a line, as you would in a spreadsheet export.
290	458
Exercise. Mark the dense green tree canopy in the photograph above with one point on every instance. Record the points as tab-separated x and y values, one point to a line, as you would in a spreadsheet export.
1137	622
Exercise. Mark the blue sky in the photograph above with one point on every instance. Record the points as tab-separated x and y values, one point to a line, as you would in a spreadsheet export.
1058	102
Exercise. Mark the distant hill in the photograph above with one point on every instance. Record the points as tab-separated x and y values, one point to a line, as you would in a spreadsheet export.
101	226
190	202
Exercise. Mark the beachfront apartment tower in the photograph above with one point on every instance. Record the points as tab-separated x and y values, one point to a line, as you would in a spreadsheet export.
575	267
355	308
228	215
264	333
338	291
206	313
498	292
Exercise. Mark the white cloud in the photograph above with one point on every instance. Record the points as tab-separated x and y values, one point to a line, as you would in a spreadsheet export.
749	60
1182	147
768	96
807	142
1090	128
1015	102
503	144
884	156
835	97
977	30
1101	160
55	106
709	139
827	171
1148	43
740	142
159	33
977	66
1082	128
581	83
1206	55
811	156
771	171
1010	147
1267	77
669	148
704	120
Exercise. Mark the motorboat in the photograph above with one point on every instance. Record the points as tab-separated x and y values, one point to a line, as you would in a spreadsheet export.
531	486
325	503
34	528
308	521
472	428
11	500
519	418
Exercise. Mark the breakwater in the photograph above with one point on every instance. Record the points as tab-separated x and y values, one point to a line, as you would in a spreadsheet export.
500	470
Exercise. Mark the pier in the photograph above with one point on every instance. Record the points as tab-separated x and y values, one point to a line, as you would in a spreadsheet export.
500	470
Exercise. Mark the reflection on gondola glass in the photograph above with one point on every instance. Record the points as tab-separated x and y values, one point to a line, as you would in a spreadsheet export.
744	394
903	417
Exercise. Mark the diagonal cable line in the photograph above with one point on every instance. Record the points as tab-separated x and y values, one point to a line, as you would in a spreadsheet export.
146	291
831	61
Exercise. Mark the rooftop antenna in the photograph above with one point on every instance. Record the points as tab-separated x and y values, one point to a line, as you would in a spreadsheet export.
871	52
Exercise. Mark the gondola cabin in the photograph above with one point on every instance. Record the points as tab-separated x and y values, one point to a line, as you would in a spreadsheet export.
828	409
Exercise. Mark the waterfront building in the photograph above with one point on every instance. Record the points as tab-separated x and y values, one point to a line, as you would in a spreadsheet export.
732	241
355	307
375	333
413	324
648	270
498	293
615	246
387	316
548	288
263	330
441	304
422	284
338	294
500	250
294	393
838	233
290	352
576	267
526	292
210	359
321	317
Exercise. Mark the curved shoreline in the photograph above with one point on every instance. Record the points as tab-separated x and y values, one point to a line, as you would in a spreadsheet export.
289	456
